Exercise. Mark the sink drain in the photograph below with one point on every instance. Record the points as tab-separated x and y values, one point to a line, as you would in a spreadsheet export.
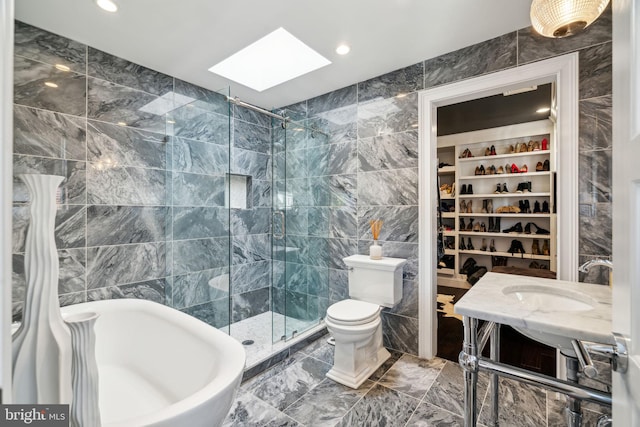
247	342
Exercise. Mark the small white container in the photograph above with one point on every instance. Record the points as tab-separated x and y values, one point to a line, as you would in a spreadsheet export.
375	251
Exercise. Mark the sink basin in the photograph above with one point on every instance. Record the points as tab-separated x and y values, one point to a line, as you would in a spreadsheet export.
548	299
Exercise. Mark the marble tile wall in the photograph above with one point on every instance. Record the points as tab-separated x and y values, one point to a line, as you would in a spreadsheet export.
377	120
143	207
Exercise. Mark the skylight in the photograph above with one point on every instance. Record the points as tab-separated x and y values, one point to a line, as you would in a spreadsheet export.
276	58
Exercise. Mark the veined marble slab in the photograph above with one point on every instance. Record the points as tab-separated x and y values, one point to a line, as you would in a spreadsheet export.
487	301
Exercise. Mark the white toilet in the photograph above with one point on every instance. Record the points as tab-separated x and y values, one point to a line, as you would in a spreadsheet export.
355	323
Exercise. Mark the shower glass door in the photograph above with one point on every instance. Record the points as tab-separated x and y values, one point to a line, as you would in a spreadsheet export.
300	232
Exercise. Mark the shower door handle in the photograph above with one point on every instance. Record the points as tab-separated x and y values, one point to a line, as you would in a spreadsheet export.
279	235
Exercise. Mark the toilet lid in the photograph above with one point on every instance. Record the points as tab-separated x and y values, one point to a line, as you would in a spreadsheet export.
353	312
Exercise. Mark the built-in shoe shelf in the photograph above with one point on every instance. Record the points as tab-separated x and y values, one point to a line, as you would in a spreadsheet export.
463	173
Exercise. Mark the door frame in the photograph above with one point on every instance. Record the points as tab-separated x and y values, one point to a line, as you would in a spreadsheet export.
561	70
6	193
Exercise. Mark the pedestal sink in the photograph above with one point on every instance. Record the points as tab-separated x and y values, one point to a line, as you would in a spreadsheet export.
553	312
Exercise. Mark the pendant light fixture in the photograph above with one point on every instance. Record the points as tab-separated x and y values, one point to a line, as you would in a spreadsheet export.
562	18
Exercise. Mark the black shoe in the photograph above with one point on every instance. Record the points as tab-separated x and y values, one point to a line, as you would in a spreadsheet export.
536	207
545	207
527	207
470	225
529	186
519	189
498	189
515	229
491	225
463	189
496	225
504	188
470	189
516	247
484	245
521	206
545	165
492	246
468	265
527	228
462	247
539	230
469	244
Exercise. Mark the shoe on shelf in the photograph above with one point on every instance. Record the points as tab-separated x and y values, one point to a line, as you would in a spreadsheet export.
470	244
545	207
493	150
514	168
491	170
463	189
489	205
529	187
535	247
477	172
462	246
462	226
545	144
526	206
524	169
470	206
521	206
536	145
500	170
487	151
512	149
463	206
483	228
536	207
482	171
484	245
470	189
496	225
516	247
491	225
514	229
484	206
546	165
504	188
530	145
545	248
539	167
476	227
519	189
470	225
498	189
507	168
492	246
540	230
523	147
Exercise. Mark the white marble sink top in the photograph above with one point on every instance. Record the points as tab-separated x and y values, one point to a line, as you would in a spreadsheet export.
569	309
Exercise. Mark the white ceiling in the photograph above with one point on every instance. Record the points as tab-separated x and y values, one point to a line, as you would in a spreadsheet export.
184	38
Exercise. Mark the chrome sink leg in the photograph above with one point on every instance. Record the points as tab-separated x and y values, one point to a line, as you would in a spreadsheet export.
574	406
495	356
468	360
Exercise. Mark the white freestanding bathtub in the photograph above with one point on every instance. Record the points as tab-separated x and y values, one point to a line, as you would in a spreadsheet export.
160	367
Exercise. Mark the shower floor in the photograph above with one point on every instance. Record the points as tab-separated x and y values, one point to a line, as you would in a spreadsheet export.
259	329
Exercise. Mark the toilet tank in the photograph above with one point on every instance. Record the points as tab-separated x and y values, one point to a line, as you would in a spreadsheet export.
375	281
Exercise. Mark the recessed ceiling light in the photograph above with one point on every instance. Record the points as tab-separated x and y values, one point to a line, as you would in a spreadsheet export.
343	49
270	61
50	84
107	5
62	67
543	110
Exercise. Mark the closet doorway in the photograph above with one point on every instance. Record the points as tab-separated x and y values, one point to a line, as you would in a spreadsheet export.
470	151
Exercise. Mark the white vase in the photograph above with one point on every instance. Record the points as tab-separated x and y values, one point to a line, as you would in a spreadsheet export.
41	351
375	250
85	410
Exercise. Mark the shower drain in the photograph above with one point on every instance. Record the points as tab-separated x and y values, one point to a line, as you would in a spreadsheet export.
247	342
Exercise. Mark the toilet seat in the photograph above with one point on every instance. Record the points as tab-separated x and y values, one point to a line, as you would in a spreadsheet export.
353	312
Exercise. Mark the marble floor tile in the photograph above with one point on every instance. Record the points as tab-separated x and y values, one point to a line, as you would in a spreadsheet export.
520	404
381	406
326	403
428	415
448	390
412	375
249	411
290	385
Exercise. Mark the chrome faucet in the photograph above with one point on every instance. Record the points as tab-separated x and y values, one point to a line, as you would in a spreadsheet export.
587	265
